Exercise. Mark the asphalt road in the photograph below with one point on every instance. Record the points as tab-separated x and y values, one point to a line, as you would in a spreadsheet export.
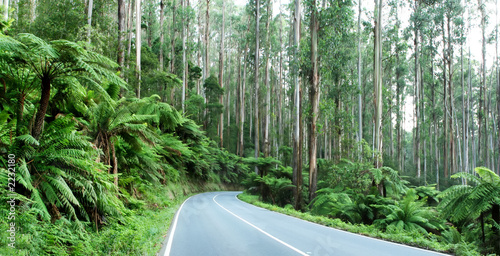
218	223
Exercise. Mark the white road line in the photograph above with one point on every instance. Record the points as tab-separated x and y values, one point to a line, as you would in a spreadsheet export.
262	231
171	237
351	233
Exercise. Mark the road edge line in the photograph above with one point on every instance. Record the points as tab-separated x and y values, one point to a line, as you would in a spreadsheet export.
174	226
262	231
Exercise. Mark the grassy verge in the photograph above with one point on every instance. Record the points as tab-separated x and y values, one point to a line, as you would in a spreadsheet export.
140	231
428	241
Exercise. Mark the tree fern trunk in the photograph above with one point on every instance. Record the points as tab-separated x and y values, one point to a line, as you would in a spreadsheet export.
495	215
42	108
20	110
115	164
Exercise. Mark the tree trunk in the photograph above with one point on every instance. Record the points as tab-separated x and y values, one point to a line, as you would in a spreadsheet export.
417	93
20	110
172	39
267	85
314	99
297	149
121	33
162	39
6	9
138	46
184	63
495	215
42	109
360	104
89	20
280	84
130	22
445	100
399	91
450	99
498	89
199	53
115	164
464	117
378	83
206	60
221	75
482	89
243	90
256	102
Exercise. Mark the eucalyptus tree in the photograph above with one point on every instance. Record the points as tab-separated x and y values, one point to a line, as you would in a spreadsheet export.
221	74
314	100
162	36
267	113
138	46
256	77
482	88
89	19
377	80
121	32
360	116
297	149
6	6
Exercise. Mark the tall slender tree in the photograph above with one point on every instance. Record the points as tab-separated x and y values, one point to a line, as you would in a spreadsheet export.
256	75
377	79
360	104
138	46
314	99
89	19
185	67
297	149
162	36
221	74
267	86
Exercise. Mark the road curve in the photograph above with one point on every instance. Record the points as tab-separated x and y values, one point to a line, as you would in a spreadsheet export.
218	223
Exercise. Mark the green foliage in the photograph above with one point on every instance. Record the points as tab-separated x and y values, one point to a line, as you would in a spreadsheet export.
329	202
62	176
59	19
409	214
464	201
429	193
345	174
463	204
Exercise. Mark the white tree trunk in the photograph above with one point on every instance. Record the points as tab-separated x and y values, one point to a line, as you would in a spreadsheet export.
184	63
89	20
256	102
138	46
6	9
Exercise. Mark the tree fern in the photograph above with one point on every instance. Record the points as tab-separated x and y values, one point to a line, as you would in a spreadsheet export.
408	214
62	173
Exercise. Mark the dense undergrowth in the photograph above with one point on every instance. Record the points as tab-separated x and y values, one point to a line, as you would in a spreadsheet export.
381	203
90	168
429	241
140	231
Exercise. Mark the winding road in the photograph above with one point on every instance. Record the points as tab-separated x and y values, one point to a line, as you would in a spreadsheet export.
218	223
